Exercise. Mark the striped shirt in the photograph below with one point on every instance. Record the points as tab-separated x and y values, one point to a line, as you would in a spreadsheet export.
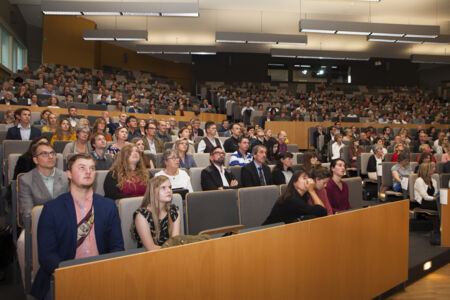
237	159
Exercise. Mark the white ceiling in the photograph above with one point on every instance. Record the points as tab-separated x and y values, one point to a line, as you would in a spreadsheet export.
279	17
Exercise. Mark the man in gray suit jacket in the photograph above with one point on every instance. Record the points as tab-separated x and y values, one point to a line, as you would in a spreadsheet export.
42	184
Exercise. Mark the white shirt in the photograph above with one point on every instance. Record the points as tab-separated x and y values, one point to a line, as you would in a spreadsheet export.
336	150
222	175
180	181
25	133
73	122
420	190
151	144
202	145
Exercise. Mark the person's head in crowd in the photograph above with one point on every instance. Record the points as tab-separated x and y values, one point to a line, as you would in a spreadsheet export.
321	176
309	160
225	124
363	136
217	156
162	127
235	130
443	140
122	119
121	134
52	121
338	126
64	129
251	131
9	116
184	133
387	131
195	123
53	101
425	171
211	129
425	157
99	125
157	200
354	144
259	153
333	130
338	138
150	131
432	132
243	144
72	110
182	146
399	148
268	134
171	160
83	133
348	134
423	137
446	148
272	149
129	166
284	162
172	123
98	142
131	123
354	130
425	148
260	134
378	150
24	116
36	141
337	167
298	184
83	122
142	124
282	136
397	139
139	142
403	159
81	171
119	106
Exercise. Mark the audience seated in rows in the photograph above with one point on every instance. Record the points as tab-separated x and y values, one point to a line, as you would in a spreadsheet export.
72	215
179	179
216	176
257	173
81	144
128	175
337	190
156	219
293	204
185	133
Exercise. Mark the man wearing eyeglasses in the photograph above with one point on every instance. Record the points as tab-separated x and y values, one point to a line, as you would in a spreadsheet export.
216	177
151	141
42	184
76	224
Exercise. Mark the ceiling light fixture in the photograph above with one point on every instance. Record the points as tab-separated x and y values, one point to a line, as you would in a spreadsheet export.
430	59
318	54
115	35
441	40
100	8
260	38
176	50
364	28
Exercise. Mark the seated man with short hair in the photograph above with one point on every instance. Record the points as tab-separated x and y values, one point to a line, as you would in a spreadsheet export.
103	160
216	177
241	157
257	173
77	224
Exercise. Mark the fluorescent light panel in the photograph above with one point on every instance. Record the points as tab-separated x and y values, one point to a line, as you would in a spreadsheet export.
364	28
176	49
318	54
260	38
91	8
442	40
433	59
118	35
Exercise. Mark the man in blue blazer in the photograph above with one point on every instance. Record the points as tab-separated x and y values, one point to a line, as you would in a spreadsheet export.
76	224
23	131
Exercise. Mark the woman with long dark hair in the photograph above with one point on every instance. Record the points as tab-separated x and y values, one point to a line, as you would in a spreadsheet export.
337	190
282	172
272	150
293	204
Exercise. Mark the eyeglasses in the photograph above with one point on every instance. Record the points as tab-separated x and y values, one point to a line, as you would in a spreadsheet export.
45	154
173	158
219	153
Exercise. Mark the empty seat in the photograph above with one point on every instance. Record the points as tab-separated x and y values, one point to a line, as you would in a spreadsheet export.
201	159
195	175
292	147
355	191
59	146
211	209
127	207
255	204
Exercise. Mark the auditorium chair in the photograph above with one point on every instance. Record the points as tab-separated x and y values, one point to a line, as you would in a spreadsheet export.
100	176
386	181
411	181
355	191
201	159
195	175
59	146
210	210
292	148
388	156
255	204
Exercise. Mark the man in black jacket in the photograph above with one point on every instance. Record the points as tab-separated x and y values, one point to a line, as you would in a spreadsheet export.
257	173
231	144
216	177
23	131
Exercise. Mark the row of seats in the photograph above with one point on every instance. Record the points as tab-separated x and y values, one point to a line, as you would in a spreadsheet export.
200	211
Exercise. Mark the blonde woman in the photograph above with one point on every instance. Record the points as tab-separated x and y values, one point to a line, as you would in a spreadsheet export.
128	175
140	144
64	132
100	126
156	206
425	187
51	125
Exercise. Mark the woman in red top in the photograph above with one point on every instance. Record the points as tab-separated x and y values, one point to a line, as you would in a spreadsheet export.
321	176
398	148
128	176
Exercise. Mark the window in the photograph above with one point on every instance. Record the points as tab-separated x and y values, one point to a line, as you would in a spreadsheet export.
13	55
5	48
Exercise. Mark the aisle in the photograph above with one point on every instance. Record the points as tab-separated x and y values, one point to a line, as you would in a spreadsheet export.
433	286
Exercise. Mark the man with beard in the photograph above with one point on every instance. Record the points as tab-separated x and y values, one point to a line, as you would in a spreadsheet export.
216	177
76	224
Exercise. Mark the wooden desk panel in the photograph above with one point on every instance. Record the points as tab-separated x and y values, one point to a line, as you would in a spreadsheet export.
445	222
355	255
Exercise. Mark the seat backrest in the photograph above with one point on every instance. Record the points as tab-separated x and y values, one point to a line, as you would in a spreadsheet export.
127	207
355	191
201	159
413	156
159	161
292	147
413	165
59	146
255	204
388	156
195	174
177	199
440	167
47	135
12	161
444	179
60	161
344	155
364	158
35	215
154	171
311	131
211	209
150	155
386	178
99	180
227	159
236	171
14	146
411	181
